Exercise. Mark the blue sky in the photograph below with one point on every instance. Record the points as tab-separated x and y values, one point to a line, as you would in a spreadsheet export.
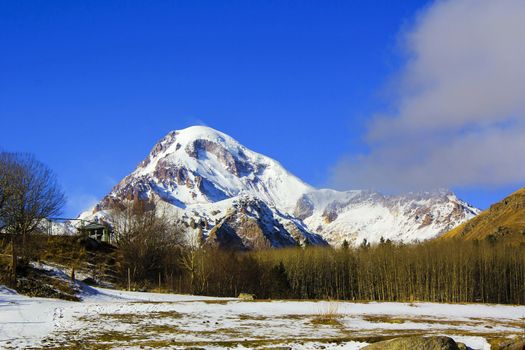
89	87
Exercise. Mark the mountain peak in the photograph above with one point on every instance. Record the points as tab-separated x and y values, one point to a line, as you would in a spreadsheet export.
177	139
199	165
201	131
198	132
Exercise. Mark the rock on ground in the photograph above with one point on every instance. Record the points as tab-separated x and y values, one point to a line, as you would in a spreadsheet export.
427	343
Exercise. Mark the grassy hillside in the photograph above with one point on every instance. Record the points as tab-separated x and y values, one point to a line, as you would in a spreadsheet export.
503	220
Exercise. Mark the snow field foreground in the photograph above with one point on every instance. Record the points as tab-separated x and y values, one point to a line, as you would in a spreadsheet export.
108	319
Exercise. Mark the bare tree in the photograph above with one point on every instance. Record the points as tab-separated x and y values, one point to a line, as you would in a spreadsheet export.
29	193
145	236
192	261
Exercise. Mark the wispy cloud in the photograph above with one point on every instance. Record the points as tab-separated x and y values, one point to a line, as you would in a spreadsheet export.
77	203
459	115
192	120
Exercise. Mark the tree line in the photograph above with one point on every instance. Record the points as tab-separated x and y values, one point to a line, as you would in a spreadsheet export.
450	271
153	247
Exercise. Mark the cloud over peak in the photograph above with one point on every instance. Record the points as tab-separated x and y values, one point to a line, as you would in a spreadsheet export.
458	119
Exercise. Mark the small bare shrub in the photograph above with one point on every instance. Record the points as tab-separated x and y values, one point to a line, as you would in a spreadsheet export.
328	314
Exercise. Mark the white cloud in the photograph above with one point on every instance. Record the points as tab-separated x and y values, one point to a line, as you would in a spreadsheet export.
458	118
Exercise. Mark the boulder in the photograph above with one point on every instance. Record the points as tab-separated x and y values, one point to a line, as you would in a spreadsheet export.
415	343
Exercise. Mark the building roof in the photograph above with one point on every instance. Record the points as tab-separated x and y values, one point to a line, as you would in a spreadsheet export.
93	226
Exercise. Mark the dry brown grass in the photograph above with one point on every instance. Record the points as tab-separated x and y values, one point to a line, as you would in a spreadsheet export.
503	220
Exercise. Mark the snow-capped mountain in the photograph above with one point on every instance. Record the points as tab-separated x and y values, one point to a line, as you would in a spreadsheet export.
241	199
199	165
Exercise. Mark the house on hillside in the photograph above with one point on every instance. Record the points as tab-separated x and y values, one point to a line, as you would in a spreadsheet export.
98	231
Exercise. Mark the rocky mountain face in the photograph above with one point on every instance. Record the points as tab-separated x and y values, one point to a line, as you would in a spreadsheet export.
235	198
503	220
252	224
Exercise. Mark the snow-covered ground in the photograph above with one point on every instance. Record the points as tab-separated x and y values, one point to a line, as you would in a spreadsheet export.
124	320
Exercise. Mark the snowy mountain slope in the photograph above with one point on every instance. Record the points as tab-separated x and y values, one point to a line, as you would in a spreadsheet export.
218	188
200	165
358	215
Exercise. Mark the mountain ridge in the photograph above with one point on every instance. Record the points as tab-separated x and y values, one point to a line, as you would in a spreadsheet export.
502	220
203	175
